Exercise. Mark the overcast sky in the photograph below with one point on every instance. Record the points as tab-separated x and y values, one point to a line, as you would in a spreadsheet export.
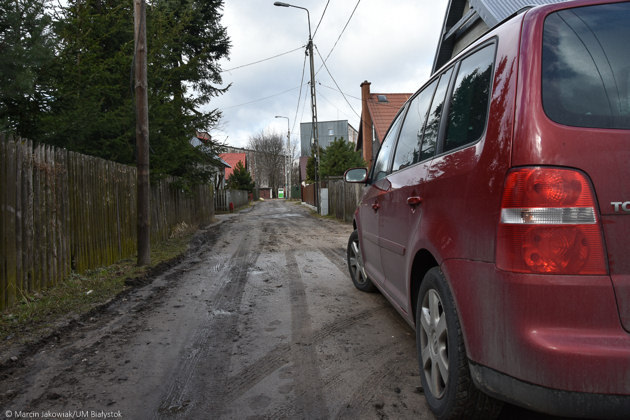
390	43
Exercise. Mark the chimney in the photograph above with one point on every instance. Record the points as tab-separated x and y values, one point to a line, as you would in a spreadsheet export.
366	123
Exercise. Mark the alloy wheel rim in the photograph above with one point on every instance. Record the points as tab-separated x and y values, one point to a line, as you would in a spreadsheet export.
356	263
434	343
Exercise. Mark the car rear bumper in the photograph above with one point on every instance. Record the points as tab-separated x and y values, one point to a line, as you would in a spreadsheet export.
550	401
560	333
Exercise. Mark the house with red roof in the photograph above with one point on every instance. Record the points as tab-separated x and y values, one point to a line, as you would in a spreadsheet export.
377	113
220	167
232	159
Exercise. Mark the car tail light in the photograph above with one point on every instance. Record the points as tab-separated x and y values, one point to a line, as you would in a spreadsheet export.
549	224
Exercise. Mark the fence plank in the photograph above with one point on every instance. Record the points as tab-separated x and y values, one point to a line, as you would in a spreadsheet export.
10	208
19	275
2	218
72	213
4	221
61	181
27	206
37	229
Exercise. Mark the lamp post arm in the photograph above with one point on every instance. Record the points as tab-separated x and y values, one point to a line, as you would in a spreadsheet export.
308	15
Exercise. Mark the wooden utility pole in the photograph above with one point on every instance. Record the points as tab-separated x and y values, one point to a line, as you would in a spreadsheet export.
142	134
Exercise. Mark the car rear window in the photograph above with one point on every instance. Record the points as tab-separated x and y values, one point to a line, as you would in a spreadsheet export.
586	66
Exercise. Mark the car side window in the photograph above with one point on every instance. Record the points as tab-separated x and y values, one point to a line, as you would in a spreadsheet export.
468	109
410	140
381	167
432	129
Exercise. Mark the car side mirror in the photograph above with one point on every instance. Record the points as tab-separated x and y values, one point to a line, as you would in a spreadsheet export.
356	175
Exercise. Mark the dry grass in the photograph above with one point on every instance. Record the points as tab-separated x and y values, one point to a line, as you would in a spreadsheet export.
36	314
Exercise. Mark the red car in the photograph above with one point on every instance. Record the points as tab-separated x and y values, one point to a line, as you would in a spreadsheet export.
496	218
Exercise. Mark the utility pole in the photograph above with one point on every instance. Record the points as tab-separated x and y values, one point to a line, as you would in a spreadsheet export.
314	121
142	135
309	50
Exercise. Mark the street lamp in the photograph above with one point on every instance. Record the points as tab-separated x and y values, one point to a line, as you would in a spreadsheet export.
287	175
309	50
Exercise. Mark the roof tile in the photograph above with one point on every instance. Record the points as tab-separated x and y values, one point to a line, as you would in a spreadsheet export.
383	113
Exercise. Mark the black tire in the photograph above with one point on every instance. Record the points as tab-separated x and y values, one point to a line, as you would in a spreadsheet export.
444	371
356	267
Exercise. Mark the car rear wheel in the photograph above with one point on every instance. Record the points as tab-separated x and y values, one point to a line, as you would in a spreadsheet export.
356	267
444	372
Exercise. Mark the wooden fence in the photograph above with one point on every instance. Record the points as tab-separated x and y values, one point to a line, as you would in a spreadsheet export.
308	194
223	198
343	199
61	211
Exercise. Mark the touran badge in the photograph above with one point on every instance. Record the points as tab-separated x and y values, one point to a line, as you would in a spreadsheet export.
619	206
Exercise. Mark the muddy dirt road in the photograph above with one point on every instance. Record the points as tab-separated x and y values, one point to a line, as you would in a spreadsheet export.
260	321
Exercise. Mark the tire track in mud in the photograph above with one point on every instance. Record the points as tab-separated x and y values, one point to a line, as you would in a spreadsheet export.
335	256
366	394
297	358
212	344
310	401
280	355
366	399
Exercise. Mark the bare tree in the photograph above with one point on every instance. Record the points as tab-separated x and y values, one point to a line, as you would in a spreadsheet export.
269	159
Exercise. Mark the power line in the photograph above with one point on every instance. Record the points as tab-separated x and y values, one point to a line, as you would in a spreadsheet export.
336	84
297	109
332	104
303	110
332	88
320	19
261	99
263	60
358	99
342	31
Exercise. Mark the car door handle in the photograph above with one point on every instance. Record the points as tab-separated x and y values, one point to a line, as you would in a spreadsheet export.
376	206
414	201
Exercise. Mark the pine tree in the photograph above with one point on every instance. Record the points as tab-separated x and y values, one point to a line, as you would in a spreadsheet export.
93	110
335	160
240	179
26	47
92	106
186	41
